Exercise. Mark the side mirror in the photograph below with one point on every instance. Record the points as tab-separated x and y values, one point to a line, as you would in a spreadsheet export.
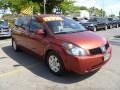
40	32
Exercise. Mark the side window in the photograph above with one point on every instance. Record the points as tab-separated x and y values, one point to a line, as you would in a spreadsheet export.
23	22
26	21
98	20
35	25
18	22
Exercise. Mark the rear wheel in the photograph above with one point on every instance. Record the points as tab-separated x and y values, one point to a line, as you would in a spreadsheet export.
14	45
94	29
110	26
105	27
55	63
117	26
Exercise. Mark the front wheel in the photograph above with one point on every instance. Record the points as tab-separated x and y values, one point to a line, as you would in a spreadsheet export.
55	63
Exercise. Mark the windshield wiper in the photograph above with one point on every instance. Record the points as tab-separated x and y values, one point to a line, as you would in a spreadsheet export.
78	31
61	32
70	32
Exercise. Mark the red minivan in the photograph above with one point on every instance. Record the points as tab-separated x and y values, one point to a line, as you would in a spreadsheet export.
63	43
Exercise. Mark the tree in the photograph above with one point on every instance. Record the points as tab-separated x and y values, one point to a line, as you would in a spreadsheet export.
4	5
50	4
68	7
17	5
83	8
112	15
96	12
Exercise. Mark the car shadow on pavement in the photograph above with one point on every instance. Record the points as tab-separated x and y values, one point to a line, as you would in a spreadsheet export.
4	38
39	68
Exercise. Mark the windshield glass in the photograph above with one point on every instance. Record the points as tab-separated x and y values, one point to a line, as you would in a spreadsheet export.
3	23
93	20
65	26
110	19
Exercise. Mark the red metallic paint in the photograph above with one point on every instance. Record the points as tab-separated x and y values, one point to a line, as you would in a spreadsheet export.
86	40
40	44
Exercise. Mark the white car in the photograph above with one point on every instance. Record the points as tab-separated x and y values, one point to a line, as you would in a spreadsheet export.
5	31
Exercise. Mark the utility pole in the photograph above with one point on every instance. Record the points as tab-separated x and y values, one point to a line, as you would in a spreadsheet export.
103	9
44	6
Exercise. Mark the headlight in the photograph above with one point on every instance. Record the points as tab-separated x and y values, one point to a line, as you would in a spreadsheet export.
74	50
91	25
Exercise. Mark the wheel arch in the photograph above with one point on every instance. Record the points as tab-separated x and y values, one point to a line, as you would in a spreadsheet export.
58	51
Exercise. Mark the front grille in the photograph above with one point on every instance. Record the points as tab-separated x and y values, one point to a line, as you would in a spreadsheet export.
95	51
98	50
6	30
96	66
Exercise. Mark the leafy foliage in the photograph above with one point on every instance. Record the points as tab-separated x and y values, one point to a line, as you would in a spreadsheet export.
50	4
68	7
111	15
4	5
96	12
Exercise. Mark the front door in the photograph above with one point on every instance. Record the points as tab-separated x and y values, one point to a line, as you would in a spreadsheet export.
36	43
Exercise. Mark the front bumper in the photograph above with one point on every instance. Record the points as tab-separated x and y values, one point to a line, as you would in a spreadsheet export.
87	64
91	28
5	34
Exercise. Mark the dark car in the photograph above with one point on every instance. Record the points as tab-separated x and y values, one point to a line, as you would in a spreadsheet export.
63	43
107	22
94	24
113	22
118	21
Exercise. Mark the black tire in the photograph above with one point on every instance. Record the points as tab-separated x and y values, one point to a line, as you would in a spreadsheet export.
14	45
117	26
58	64
105	27
94	29
110	27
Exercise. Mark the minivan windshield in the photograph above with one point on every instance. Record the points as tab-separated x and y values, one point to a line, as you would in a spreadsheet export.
65	25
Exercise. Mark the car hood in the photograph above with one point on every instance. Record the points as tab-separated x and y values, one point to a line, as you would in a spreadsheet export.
92	22
86	39
3	26
88	23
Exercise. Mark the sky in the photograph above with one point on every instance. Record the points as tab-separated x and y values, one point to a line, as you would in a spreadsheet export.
110	6
6	12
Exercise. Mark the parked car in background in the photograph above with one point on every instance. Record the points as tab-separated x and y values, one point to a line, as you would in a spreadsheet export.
63	43
5	31
118	21
94	24
113	22
108	23
83	20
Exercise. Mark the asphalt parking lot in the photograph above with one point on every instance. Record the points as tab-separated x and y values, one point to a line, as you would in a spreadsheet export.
21	71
